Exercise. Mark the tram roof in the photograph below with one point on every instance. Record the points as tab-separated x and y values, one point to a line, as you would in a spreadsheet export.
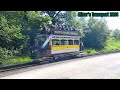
66	32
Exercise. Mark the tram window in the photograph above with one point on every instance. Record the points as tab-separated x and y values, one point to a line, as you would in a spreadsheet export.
70	42
55	42
63	42
76	42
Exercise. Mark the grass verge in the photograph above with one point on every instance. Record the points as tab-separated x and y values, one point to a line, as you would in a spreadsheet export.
111	45
17	60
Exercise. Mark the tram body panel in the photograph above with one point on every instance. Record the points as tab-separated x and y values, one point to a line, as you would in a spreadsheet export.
64	49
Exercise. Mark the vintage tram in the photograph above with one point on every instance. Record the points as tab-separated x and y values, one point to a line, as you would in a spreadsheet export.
57	44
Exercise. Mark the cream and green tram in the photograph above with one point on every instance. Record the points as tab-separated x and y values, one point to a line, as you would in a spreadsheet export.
57	44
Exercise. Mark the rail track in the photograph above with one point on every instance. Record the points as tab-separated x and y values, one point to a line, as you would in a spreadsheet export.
47	61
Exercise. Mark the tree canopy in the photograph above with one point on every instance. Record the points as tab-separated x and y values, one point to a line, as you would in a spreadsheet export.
97	35
18	29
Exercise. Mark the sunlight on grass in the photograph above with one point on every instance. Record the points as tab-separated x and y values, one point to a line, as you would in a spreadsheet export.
17	60
111	45
90	51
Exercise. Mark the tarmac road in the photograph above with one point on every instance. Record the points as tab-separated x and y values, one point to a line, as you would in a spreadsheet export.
96	67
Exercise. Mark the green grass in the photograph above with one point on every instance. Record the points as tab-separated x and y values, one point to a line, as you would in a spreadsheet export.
111	45
90	51
17	60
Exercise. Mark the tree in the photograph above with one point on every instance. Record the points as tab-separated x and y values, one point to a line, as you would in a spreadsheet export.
73	20
67	18
53	14
10	35
17	28
97	35
17	31
116	34
5	55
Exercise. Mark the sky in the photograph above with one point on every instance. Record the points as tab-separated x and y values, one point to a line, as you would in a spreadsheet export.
112	22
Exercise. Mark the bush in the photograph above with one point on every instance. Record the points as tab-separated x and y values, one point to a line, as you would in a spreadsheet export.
5	55
97	35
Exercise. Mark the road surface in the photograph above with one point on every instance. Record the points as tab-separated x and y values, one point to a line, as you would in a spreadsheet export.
98	67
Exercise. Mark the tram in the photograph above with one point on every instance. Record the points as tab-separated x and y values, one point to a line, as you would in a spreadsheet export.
57	44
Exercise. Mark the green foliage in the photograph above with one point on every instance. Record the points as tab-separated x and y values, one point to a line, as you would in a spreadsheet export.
17	60
90	51
55	15
116	34
112	44
17	28
4	55
68	18
73	20
97	34
10	36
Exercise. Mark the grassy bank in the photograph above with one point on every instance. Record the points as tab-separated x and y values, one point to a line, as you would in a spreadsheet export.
17	60
111	45
90	51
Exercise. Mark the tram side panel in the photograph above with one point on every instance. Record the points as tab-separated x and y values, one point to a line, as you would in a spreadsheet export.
64	49
67	48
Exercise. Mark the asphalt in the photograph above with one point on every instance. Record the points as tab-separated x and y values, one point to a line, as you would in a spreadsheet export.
96	67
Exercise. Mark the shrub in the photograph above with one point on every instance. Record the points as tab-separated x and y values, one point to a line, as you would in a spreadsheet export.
5	55
97	35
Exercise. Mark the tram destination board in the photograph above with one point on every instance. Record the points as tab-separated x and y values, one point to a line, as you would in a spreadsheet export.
71	33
